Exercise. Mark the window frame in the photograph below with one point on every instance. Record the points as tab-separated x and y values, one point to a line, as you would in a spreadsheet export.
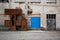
51	2
4	1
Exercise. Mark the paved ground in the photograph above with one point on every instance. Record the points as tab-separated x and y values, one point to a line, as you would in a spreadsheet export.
30	35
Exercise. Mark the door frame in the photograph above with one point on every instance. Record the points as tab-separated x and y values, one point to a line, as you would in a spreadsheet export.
34	15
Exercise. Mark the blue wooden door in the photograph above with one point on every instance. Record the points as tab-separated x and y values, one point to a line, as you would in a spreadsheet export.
35	22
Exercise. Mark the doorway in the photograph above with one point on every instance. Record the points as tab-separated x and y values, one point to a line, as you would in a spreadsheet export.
18	28
51	21
35	22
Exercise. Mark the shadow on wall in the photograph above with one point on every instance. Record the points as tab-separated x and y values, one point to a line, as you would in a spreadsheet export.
58	29
42	28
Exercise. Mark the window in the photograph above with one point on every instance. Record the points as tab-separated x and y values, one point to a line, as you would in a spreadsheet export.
35	1
51	1
31	1
17	1
51	16
4	1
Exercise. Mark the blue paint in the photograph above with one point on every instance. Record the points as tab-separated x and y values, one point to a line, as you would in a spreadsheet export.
35	22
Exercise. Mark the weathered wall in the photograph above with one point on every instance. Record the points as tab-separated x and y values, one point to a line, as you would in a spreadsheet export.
37	9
